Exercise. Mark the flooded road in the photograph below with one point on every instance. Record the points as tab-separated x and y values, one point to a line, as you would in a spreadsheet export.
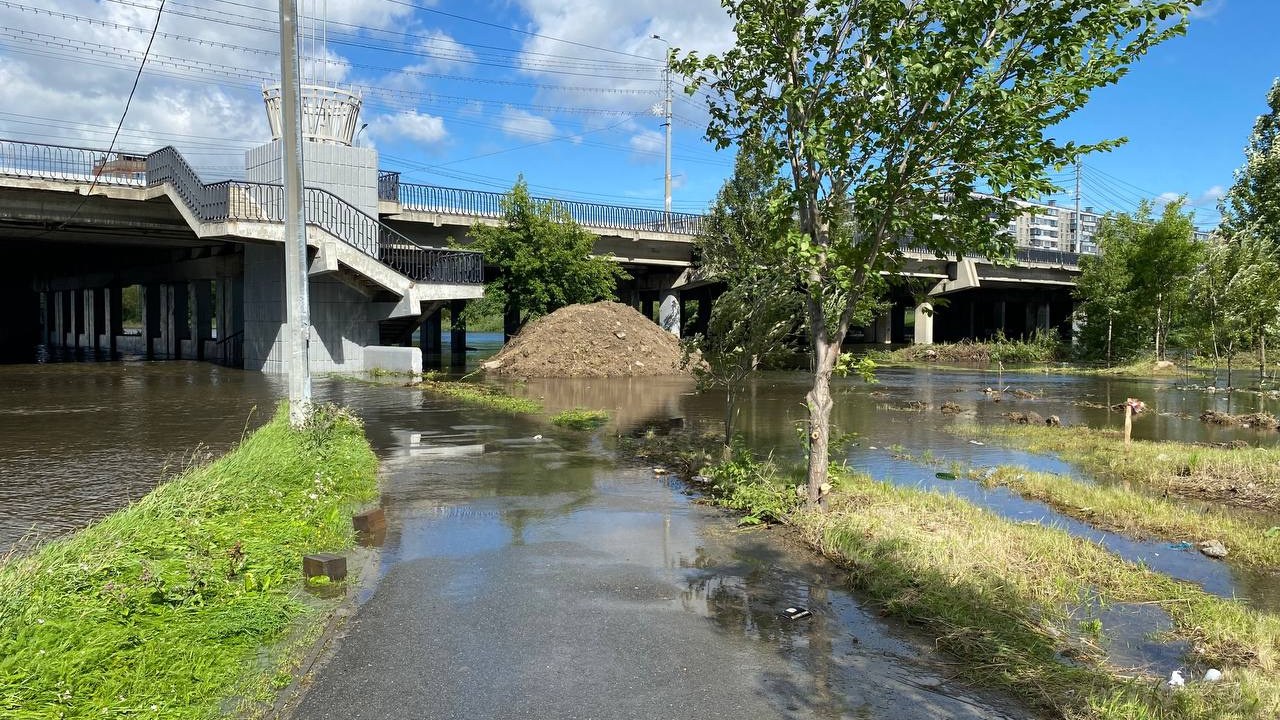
521	576
525	577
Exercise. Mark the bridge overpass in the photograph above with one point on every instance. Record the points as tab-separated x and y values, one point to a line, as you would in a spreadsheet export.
207	259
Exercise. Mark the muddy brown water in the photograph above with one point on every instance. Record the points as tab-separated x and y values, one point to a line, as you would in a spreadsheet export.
79	440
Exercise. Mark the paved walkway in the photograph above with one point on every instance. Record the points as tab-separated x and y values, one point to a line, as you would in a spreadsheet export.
533	579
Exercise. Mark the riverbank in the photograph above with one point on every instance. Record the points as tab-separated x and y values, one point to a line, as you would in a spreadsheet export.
1024	607
1244	477
176	605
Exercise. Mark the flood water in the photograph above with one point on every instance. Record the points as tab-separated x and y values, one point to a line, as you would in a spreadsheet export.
492	528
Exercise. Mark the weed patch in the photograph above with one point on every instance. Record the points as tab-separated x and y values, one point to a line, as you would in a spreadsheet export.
159	609
581	419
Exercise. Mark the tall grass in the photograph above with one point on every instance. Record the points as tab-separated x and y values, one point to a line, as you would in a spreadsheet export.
1042	347
1246	477
160	609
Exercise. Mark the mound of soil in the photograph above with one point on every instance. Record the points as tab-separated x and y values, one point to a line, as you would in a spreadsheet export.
1264	421
604	339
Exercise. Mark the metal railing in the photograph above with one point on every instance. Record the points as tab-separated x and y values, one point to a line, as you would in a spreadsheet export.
56	162
263	202
483	203
1043	256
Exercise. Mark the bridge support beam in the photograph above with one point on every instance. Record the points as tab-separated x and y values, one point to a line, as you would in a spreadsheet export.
430	339
230	319
669	312
924	324
202	315
882	329
77	319
457	334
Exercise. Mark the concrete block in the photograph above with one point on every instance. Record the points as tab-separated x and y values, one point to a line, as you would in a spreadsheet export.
329	565
370	521
393	359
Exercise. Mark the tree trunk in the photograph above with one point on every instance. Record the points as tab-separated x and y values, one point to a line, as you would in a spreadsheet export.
825	354
1110	322
730	403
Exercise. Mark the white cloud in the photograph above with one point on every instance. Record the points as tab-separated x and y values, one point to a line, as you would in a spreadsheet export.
522	123
409	125
1211	196
645	143
1208	10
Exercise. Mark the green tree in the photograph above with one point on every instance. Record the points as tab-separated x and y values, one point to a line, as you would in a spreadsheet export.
1102	290
760	307
1251	297
542	261
1163	258
889	114
1253	203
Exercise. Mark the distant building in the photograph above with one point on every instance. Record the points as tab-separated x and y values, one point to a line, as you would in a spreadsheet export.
121	165
1051	226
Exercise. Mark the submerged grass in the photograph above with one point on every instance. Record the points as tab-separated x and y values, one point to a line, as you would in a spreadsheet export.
163	608
581	419
488	396
1015	602
1041	348
1246	477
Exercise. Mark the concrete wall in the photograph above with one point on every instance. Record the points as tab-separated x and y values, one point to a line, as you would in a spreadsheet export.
351	173
344	322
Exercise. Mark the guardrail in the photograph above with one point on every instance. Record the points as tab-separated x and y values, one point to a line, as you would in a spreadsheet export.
483	203
263	202
57	162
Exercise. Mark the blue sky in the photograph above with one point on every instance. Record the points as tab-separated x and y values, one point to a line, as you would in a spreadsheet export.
457	102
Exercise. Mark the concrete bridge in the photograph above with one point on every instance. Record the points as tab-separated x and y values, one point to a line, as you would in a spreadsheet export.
207	261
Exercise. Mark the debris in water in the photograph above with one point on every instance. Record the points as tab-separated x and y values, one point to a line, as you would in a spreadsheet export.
976	442
872	447
1176	680
537	437
1213	675
700	479
950	408
1184	545
945	476
659	471
1213	548
797	613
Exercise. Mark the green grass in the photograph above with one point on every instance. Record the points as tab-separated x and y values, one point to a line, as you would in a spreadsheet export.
1246	477
488	396
166	608
1143	515
581	419
1005	597
1011	601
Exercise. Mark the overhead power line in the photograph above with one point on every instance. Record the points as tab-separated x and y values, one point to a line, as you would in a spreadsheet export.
125	113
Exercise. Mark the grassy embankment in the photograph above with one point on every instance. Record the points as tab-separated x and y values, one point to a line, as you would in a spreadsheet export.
179	605
1013	601
1246	477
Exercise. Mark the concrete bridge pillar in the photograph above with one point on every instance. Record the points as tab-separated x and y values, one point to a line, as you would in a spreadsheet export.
230	320
202	314
924	324
430	339
100	327
77	319
115	316
882	329
49	321
151	318
669	312
457	334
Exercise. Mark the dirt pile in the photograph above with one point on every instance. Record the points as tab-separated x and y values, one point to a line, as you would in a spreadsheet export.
604	339
1263	421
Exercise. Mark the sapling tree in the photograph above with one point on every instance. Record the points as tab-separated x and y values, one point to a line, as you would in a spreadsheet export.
890	115
760	306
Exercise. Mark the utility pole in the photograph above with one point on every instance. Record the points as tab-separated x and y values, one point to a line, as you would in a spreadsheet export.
1075	237
666	117
297	309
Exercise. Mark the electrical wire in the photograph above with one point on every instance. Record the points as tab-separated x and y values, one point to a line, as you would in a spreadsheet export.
115	136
